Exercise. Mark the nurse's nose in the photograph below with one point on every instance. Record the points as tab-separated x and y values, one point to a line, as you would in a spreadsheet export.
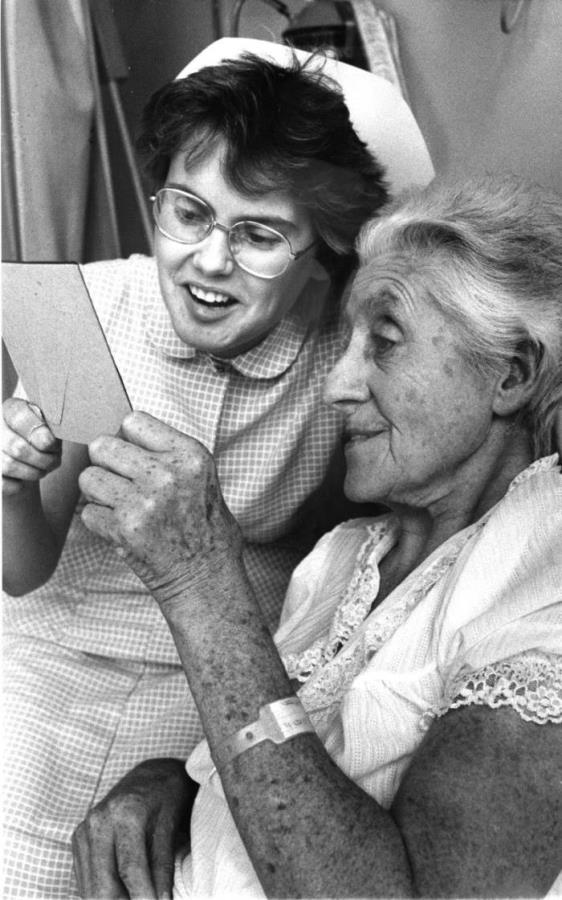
212	255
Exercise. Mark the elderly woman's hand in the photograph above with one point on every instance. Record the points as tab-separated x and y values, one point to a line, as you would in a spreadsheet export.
125	846
154	493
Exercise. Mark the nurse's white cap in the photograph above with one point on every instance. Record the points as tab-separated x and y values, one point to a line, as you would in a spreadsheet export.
380	115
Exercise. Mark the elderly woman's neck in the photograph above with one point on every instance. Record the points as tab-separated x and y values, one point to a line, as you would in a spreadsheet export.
464	496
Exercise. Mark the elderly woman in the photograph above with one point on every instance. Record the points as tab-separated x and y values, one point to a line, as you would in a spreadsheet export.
227	333
401	735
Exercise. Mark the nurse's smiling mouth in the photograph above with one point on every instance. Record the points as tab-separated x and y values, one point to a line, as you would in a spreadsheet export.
209	298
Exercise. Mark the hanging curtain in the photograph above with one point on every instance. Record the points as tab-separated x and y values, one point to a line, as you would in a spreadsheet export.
49	88
56	198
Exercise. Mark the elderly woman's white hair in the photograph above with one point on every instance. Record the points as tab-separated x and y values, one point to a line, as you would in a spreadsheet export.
488	252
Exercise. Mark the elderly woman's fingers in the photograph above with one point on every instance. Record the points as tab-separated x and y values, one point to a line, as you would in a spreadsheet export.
95	867
147	466
162	861
118	455
109	850
104	487
102	521
157	474
132	862
143	429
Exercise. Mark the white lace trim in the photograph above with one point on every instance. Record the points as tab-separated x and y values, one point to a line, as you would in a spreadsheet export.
544	464
325	671
354	606
531	683
323	691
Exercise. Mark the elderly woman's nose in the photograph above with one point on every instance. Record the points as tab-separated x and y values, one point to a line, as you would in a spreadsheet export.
346	383
213	255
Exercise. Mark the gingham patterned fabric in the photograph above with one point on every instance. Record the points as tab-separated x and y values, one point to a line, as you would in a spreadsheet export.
92	683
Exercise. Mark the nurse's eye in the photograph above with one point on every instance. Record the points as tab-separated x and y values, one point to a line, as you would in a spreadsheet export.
257	236
189	216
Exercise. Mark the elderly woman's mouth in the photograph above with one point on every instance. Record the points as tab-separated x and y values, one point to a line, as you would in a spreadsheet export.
358	437
209	298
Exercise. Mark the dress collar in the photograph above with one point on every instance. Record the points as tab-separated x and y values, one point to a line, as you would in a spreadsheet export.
543	464
269	359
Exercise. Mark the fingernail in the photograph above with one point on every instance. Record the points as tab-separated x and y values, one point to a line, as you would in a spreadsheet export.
43	439
36	410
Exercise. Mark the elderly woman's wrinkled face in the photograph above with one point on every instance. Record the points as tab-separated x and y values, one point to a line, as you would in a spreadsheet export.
416	411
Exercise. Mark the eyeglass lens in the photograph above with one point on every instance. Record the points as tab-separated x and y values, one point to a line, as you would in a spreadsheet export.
257	248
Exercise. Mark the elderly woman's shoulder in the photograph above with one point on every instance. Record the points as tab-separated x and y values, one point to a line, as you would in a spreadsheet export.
325	573
514	555
528	520
539	486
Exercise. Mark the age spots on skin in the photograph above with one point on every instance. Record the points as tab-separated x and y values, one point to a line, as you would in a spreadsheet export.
449	367
438	338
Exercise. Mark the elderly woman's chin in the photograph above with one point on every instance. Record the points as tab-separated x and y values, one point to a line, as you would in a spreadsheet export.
413	471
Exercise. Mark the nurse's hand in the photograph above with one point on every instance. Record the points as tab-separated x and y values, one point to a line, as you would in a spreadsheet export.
30	449
154	493
126	845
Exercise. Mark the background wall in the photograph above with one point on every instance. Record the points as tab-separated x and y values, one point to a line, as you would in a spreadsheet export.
484	100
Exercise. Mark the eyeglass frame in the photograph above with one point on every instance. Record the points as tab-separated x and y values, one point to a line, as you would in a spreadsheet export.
293	256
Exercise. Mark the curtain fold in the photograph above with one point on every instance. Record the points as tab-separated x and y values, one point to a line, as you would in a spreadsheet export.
48	109
56	194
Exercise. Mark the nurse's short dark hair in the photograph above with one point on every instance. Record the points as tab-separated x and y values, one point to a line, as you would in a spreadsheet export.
285	129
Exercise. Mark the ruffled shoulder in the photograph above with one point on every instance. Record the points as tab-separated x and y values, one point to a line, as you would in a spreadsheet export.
331	591
504	597
501	629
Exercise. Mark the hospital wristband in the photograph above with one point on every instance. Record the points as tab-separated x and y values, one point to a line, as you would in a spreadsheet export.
278	722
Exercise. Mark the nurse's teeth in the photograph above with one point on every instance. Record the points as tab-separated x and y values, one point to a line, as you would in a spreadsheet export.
209	296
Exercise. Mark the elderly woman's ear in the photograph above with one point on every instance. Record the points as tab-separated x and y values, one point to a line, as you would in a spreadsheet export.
517	382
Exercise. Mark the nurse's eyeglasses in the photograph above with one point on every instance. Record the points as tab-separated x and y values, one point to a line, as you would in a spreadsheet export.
256	248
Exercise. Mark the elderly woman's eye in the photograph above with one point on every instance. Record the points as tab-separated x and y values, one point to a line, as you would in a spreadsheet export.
381	344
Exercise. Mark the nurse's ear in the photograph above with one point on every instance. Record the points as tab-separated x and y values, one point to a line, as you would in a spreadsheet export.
517	382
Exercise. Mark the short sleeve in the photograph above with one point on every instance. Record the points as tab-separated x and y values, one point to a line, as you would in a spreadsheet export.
317	585
530	683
